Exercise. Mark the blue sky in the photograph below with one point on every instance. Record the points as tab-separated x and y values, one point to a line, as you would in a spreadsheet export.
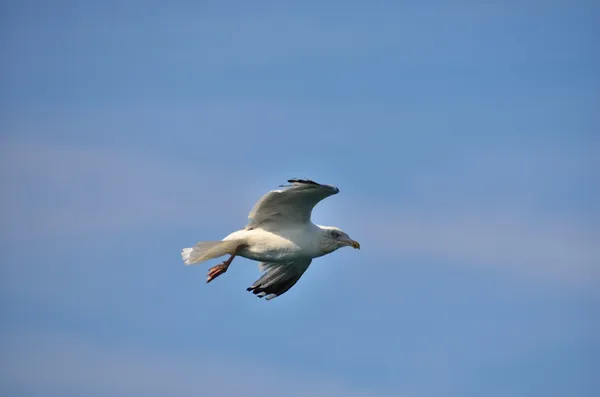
463	137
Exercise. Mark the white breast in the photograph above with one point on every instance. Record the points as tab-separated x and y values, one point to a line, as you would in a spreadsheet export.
284	246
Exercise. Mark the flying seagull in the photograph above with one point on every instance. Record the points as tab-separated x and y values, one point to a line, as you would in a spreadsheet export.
280	235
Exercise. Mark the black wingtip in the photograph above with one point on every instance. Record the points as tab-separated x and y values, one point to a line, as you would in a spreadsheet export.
303	181
311	182
258	292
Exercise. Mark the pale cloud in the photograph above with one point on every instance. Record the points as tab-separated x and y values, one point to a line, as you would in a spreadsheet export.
488	208
67	365
518	243
57	190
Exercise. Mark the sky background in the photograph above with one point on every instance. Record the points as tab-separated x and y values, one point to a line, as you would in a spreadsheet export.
464	138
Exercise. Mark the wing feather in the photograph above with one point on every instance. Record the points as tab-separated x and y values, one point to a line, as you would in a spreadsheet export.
278	278
293	204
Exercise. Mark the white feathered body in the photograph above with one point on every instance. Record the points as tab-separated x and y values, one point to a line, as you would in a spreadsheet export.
287	245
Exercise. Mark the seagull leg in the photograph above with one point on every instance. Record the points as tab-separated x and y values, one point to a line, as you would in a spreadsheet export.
221	268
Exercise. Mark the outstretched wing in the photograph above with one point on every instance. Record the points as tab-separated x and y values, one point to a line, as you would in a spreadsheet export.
292	204
278	278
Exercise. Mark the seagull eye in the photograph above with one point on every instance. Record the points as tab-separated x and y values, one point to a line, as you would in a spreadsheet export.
335	234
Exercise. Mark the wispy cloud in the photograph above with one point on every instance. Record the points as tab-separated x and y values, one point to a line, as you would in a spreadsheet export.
529	213
59	190
67	365
521	244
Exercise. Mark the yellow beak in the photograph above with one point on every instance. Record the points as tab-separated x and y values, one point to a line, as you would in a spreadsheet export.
355	244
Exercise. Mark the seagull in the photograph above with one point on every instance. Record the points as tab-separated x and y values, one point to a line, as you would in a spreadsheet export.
280	235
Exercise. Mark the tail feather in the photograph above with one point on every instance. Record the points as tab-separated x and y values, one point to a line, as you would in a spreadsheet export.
206	250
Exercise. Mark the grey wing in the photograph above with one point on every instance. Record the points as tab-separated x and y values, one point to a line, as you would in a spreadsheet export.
293	203
278	278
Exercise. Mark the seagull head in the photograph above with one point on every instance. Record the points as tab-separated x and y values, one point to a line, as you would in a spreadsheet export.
334	238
